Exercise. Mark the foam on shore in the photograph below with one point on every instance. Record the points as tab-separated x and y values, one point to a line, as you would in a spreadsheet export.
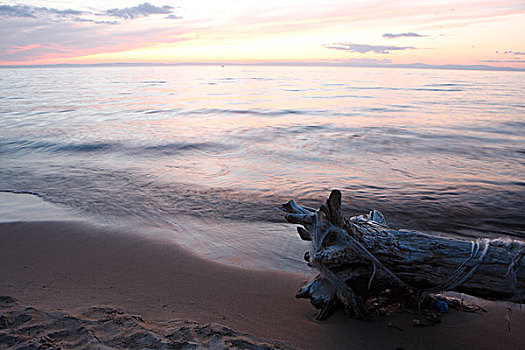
29	207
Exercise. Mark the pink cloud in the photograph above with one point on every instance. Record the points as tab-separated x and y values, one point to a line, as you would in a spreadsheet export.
15	49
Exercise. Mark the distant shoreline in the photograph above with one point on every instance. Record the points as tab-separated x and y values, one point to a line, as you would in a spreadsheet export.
283	64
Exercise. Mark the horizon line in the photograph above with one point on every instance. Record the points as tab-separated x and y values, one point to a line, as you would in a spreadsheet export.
313	64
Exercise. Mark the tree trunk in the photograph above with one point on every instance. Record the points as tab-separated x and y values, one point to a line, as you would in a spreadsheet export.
358	258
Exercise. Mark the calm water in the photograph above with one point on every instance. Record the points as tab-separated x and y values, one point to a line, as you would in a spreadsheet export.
206	154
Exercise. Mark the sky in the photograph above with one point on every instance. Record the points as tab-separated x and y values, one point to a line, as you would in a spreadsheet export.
466	32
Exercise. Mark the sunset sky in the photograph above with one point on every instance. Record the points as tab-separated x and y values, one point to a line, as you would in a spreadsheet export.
355	31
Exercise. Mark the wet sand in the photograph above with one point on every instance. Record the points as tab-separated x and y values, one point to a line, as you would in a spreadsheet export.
71	267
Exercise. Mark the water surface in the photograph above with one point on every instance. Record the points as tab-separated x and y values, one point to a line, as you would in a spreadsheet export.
209	152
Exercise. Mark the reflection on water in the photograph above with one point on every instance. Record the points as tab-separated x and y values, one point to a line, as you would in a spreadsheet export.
434	150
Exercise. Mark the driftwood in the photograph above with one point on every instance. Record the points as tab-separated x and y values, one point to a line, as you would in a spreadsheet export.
360	260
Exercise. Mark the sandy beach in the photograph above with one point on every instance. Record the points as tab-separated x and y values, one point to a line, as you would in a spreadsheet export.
74	268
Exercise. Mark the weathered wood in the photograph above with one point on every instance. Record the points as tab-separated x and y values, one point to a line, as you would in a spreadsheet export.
359	257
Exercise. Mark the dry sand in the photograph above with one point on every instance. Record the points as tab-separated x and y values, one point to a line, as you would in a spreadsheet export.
123	288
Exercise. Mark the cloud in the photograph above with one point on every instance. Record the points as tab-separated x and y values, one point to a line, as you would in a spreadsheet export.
34	12
16	11
62	13
402	35
44	36
365	61
364	48
32	32
515	53
502	61
77	19
35	50
142	10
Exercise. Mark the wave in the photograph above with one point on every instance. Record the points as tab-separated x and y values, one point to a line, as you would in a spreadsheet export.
258	112
10	146
84	147
437	89
179	147
32	193
173	148
492	208
390	88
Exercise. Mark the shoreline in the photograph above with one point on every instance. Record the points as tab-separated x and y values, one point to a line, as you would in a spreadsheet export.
70	265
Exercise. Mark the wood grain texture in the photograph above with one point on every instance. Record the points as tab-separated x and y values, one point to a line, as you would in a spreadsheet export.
360	257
